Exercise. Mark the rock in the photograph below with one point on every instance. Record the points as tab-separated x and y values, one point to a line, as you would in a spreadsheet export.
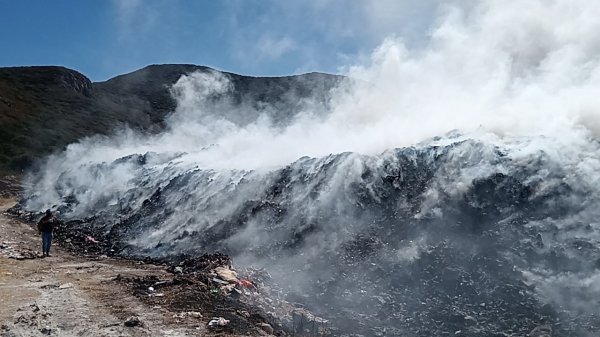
46	330
266	327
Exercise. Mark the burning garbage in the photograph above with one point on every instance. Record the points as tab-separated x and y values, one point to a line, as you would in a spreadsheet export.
236	300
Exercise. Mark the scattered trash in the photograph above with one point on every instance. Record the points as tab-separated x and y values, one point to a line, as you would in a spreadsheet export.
90	239
193	314
243	313
218	321
25	255
66	286
246	284
226	274
132	322
470	320
266	327
218	280
227	289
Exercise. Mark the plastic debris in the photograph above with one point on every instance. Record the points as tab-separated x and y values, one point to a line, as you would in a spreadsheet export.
132	322
193	314
246	284
218	280
227	289
90	239
226	274
218	321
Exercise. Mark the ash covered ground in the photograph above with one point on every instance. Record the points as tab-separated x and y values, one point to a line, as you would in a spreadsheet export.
461	238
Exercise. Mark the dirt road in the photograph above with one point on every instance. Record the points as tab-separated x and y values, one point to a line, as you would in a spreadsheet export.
66	295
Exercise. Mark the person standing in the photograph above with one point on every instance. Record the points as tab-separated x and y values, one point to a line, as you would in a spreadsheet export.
46	229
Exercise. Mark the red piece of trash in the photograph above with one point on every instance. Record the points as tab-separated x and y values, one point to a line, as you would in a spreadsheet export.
246	283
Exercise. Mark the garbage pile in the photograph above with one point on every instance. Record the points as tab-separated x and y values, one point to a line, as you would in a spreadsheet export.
206	289
468	239
77	235
11	250
210	290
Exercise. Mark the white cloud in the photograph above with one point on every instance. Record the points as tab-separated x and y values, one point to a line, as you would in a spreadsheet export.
270	47
135	16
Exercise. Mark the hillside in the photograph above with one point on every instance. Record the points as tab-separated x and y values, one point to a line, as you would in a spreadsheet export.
43	109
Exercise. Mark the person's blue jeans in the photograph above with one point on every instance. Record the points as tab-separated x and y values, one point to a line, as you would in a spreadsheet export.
46	242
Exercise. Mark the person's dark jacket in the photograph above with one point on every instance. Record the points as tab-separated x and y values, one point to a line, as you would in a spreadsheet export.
46	223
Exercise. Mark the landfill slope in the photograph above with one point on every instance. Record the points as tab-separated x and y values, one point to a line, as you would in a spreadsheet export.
454	236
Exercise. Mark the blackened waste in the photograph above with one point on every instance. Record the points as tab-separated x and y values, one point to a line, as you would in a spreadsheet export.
460	238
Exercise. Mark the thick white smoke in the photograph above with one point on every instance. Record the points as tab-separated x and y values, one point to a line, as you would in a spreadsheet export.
519	68
493	68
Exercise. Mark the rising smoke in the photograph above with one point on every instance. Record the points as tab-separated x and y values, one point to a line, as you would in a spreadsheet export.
526	68
511	87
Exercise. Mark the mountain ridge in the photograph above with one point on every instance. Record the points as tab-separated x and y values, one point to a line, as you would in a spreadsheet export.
45	108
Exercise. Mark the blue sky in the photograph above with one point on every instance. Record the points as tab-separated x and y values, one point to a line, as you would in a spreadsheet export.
265	38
